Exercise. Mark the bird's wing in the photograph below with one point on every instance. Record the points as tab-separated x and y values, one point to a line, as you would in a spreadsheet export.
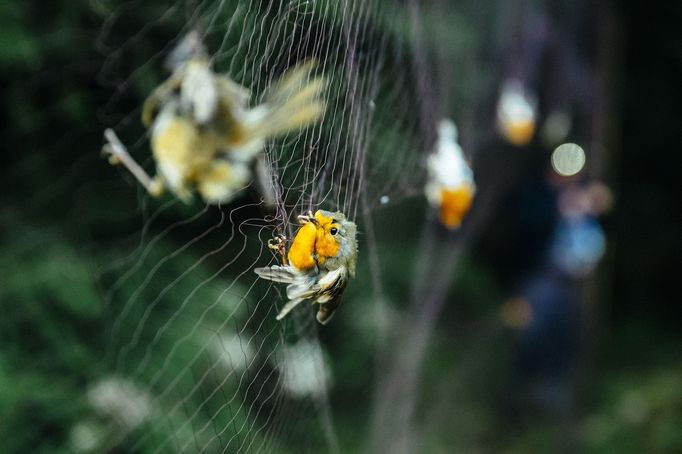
304	287
332	279
332	286
320	288
277	273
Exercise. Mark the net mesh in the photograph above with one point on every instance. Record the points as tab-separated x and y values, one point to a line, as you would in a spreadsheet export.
188	355
190	322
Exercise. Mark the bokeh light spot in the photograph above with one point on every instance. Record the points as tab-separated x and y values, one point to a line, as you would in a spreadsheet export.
568	159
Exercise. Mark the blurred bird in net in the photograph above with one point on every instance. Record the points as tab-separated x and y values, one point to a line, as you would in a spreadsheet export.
450	186
319	264
204	135
516	113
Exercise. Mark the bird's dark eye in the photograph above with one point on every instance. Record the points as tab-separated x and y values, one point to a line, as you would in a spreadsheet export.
333	230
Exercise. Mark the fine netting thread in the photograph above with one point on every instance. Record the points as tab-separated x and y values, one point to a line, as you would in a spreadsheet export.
191	323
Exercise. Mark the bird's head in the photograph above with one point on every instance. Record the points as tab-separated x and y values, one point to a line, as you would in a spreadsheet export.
334	234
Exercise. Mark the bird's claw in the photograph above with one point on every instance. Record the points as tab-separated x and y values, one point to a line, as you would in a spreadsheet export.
278	245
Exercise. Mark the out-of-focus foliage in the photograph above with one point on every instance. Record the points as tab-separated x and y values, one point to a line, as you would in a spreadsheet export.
638	414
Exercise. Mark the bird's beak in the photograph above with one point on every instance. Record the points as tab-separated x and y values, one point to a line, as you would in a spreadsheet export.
305	218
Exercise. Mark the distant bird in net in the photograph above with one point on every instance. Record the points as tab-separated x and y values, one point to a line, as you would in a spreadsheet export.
450	186
516	113
319	264
204	135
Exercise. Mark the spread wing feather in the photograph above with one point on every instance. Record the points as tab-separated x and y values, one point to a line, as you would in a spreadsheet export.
325	289
277	273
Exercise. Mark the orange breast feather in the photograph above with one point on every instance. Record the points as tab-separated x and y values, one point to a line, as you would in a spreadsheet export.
301	251
520	132
455	204
325	245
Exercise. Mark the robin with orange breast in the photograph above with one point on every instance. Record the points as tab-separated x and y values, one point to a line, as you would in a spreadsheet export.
321	261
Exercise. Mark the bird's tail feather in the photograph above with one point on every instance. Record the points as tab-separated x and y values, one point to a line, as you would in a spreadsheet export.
288	307
325	313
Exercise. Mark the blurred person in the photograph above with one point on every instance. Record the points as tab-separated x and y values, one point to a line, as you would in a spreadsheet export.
546	312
